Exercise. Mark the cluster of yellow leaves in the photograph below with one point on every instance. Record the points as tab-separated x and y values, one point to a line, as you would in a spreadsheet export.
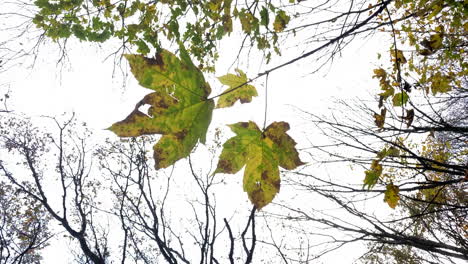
437	34
433	61
376	173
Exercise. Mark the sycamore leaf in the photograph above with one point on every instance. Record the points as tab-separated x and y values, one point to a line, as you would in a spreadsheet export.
243	92
178	107
373	175
262	153
248	21
391	195
400	99
281	20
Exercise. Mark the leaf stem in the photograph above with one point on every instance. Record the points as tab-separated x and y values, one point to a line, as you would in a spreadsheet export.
266	102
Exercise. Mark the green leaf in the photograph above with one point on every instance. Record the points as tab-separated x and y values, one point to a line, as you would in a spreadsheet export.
387	92
391	195
400	99
388	152
240	91
393	152
262	153
264	17
178	109
248	21
373	175
142	47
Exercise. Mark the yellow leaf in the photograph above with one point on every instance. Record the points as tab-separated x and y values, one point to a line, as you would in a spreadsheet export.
398	56
261	153
379	73
440	83
179	108
391	195
238	89
281	20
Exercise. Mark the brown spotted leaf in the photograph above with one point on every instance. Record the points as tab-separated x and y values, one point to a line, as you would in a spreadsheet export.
261	153
238	89
178	107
